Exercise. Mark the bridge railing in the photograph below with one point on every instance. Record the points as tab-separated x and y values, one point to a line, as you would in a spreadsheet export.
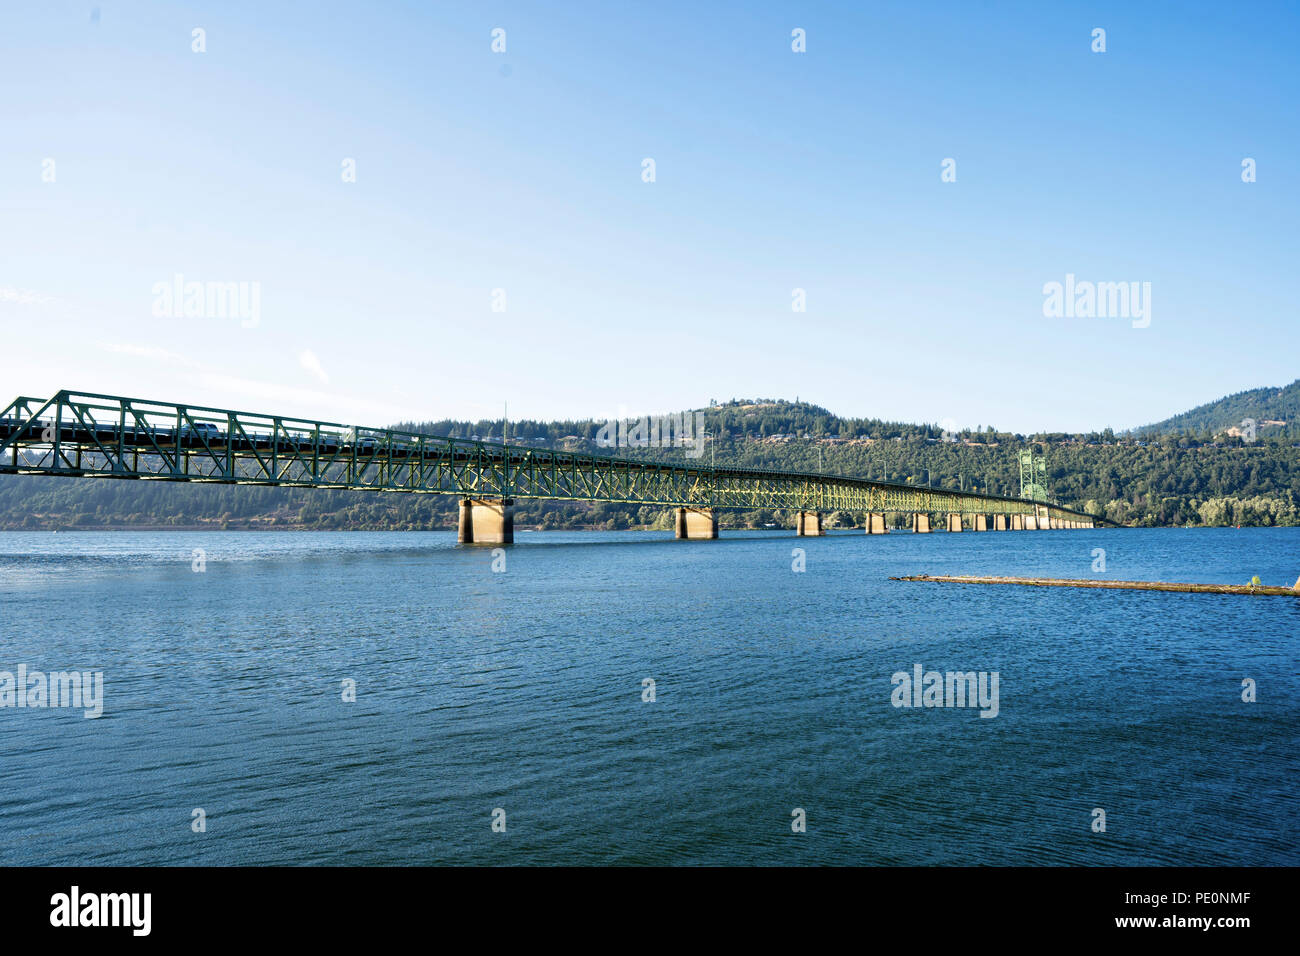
90	434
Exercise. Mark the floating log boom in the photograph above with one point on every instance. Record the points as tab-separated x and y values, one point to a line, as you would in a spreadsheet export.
1099	583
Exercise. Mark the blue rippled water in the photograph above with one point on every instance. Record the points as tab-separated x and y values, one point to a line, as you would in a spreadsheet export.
522	690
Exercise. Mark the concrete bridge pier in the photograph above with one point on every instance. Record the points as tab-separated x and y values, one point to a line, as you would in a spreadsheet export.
807	524
921	523
698	523
1030	522
999	522
954	522
486	521
1017	522
876	522
981	523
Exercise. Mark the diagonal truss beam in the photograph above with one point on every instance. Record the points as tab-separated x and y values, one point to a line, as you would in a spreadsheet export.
94	435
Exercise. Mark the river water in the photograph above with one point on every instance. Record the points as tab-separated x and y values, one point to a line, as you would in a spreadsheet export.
517	694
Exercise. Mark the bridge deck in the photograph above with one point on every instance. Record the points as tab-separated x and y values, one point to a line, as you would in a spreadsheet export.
91	435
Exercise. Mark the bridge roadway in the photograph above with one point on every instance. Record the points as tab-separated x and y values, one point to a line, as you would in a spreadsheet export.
88	435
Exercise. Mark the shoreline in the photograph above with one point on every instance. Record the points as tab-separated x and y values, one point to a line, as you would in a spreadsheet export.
451	529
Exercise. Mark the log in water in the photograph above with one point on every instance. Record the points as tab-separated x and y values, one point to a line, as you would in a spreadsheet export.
1119	585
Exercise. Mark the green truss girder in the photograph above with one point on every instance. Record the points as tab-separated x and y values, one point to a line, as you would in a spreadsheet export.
106	436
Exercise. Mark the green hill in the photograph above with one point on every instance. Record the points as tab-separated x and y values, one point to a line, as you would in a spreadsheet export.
1173	473
1261	404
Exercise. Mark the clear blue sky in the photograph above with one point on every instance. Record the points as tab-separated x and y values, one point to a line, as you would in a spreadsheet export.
775	170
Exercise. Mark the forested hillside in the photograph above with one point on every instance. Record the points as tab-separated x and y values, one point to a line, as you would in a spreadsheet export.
1261	404
1196	477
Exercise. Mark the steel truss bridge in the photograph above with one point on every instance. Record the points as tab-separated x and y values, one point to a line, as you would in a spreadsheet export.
106	436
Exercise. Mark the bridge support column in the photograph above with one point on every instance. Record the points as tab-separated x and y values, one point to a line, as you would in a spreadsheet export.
954	522
807	524
999	522
921	523
981	523
1030	522
1017	522
486	521
876	522
696	523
